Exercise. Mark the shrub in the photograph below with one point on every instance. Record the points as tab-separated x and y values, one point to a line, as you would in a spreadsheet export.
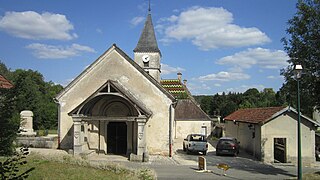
9	169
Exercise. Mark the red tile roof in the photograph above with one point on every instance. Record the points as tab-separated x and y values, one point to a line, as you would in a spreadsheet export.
253	115
4	83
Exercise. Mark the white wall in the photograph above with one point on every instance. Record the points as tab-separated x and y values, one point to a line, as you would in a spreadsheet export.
183	128
285	126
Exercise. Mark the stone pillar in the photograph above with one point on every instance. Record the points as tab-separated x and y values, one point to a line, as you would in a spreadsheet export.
26	123
141	136
141	142
77	140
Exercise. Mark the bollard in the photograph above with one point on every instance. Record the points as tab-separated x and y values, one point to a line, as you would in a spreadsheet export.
202	163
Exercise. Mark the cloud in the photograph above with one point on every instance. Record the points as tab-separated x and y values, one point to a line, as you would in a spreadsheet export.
31	25
44	51
99	30
136	20
274	77
209	28
166	69
264	58
225	76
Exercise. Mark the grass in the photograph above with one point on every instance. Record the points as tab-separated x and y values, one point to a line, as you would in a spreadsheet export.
69	167
311	176
42	132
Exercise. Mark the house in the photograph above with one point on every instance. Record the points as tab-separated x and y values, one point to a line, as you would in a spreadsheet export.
119	105
4	83
270	134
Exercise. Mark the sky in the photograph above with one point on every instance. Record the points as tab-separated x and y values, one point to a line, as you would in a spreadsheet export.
217	45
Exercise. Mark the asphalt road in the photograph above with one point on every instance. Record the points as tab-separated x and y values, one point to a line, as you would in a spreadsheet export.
241	167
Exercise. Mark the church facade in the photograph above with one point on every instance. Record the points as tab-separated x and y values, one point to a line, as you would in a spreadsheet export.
118	105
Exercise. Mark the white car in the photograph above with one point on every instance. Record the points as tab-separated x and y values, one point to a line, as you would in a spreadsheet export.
195	143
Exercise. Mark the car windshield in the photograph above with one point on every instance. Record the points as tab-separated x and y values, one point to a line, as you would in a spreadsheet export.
197	138
226	141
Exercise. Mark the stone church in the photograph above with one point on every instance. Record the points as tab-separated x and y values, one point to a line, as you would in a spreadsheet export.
121	106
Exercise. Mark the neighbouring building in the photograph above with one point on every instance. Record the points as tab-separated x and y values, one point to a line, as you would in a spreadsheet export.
270	134
120	105
189	117
4	83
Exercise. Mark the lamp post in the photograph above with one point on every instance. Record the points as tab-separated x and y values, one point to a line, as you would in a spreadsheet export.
298	73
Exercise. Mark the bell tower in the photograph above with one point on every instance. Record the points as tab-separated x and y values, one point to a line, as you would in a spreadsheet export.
147	53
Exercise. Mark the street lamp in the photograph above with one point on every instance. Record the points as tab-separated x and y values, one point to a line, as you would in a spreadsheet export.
298	74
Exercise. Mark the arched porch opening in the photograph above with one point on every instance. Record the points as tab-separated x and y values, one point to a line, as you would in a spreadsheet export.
111	121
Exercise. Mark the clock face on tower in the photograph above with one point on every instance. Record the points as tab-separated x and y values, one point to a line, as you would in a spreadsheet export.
145	58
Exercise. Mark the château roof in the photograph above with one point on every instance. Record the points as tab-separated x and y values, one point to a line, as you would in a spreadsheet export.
4	83
147	41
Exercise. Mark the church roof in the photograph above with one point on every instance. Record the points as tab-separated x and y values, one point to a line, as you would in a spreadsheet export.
4	83
147	41
175	87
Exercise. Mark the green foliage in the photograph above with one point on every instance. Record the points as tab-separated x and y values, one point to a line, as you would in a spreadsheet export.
30	92
4	70
10	168
225	104
303	47
9	122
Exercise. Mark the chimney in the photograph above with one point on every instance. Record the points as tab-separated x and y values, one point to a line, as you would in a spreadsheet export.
185	82
179	75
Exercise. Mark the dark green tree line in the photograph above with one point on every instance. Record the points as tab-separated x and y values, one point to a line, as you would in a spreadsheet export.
224	104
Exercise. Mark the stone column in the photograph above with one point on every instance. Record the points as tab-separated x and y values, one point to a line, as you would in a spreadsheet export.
77	140
141	136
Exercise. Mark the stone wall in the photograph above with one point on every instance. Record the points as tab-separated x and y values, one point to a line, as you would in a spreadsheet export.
50	142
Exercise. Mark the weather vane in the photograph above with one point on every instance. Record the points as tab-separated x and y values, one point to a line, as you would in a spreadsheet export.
149	7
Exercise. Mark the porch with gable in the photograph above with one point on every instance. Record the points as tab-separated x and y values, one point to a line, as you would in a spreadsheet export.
111	121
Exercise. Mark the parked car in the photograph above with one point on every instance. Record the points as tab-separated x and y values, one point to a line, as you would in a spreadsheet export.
195	143
227	146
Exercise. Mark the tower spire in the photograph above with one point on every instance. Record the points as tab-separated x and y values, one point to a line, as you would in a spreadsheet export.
149	9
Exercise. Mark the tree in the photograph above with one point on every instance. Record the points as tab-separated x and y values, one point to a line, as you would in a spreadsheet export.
4	70
33	93
303	47
9	122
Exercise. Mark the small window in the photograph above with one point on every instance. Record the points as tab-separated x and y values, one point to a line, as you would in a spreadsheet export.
145	64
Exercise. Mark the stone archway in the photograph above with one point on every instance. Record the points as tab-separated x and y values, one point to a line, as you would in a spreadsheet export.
112	108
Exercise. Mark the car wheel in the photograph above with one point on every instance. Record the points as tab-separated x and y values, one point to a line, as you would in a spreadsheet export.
204	153
217	154
184	148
